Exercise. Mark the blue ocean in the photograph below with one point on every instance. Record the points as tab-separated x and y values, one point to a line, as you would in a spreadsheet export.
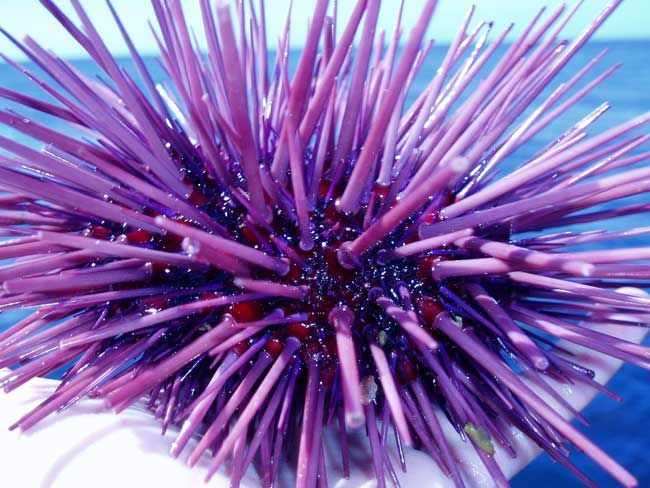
620	428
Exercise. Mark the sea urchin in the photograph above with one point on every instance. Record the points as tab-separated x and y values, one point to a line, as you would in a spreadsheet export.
262	252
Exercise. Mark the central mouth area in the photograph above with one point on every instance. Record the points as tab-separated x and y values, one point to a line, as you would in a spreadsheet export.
333	286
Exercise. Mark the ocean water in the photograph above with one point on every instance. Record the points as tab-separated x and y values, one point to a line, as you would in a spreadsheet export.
619	428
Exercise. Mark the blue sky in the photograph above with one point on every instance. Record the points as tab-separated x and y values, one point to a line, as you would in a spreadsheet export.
20	17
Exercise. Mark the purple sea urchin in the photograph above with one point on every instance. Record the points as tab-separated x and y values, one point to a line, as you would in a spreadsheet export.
261	255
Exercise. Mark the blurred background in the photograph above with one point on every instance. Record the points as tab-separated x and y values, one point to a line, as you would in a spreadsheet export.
632	19
618	428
